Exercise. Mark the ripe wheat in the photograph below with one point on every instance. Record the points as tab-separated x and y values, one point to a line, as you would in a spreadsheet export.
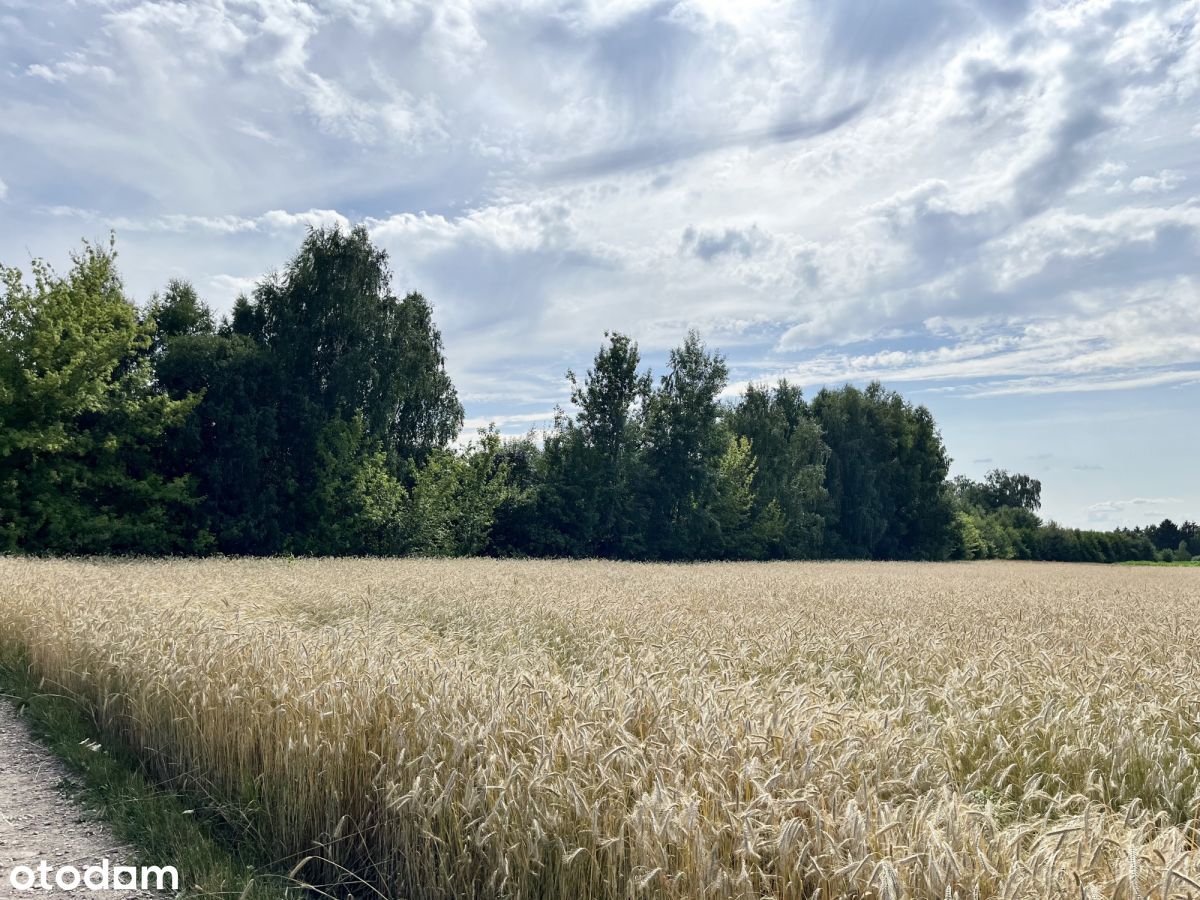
598	730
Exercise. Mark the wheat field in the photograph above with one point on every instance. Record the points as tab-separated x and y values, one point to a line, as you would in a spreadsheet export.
543	729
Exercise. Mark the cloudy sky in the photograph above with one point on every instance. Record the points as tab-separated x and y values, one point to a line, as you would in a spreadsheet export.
991	205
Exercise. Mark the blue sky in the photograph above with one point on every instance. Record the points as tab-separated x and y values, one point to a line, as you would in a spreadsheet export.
992	206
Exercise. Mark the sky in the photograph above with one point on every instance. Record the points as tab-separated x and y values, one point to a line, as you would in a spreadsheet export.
992	206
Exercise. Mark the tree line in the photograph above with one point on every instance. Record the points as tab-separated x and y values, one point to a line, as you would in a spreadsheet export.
318	418
997	519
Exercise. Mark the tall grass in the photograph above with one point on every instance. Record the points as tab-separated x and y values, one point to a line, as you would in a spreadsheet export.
438	729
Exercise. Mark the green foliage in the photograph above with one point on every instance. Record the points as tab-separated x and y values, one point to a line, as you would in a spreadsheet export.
684	443
740	534
345	345
968	542
885	476
230	443
594	461
1000	490
454	499
80	419
518	526
317	419
1166	535
179	311
319	393
790	498
357	503
1009	529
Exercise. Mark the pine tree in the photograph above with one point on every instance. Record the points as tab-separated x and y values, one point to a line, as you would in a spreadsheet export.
81	418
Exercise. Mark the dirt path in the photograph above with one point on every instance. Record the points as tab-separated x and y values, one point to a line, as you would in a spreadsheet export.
38	823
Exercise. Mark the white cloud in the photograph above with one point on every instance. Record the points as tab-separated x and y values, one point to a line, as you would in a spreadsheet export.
261	134
3	190
1113	340
978	199
523	421
228	287
1162	183
396	117
74	66
314	218
1119	505
272	220
508	228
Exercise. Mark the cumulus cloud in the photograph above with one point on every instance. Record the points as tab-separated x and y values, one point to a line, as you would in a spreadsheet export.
314	218
272	220
224	287
708	244
943	162
1164	181
975	201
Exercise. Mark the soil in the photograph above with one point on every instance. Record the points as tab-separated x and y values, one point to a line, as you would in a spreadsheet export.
39	822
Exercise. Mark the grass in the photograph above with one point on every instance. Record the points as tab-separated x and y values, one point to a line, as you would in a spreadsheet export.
158	823
1146	562
542	729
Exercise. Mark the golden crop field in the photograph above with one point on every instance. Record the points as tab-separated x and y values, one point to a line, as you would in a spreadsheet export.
478	728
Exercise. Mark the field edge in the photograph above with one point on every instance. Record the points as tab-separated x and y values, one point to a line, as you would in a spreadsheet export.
162	826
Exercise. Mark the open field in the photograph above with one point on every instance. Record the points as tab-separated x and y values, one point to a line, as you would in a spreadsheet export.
1190	562
482	728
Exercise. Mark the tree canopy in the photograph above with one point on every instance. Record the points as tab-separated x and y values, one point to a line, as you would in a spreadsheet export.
318	417
81	419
